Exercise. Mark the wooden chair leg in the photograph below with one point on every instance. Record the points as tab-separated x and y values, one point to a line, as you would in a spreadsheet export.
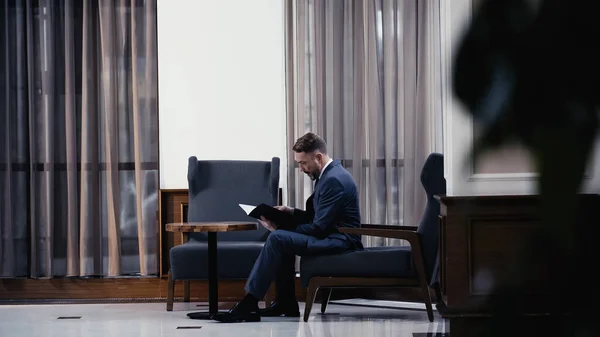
170	292
422	276
427	298
326	296
311	293
269	298
186	291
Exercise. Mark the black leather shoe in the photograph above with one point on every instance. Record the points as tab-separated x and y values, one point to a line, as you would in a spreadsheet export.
279	308
241	312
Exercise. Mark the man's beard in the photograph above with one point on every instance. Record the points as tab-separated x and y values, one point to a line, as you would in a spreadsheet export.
312	175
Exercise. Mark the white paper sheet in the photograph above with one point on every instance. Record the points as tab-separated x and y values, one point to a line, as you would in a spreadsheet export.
247	208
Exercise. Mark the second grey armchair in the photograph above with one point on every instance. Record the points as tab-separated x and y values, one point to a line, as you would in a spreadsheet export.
216	187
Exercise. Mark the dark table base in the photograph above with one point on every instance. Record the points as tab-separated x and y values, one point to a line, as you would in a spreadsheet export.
213	282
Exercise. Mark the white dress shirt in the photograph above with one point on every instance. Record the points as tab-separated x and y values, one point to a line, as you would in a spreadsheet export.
324	167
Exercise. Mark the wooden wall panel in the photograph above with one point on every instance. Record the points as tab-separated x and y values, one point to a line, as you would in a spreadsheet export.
118	289
171	209
494	244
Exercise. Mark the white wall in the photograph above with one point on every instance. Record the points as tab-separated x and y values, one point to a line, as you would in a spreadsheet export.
221	83
462	179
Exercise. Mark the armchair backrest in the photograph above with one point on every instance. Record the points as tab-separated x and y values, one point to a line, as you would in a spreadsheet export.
216	187
434	183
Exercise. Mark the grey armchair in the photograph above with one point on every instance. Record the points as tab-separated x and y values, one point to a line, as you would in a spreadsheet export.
216	187
402	266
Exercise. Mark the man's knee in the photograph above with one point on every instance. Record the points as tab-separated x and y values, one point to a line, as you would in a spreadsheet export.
278	237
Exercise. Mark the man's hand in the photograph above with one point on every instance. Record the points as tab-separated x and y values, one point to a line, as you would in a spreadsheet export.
268	224
285	209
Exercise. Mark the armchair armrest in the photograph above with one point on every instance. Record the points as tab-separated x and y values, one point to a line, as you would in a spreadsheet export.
409	235
409	228
413	238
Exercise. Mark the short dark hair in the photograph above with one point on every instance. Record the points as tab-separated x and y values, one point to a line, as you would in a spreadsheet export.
310	143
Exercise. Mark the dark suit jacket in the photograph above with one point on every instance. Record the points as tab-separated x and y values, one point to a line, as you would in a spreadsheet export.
333	204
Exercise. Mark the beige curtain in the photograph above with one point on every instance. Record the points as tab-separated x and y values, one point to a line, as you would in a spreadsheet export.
365	75
78	138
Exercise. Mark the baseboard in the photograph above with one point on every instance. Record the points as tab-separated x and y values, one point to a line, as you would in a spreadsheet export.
113	290
84	301
154	289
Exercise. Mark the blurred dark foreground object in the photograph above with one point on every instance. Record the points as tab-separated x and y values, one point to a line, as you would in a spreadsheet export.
529	71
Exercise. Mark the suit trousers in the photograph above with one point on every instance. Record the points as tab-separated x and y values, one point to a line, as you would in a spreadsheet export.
277	258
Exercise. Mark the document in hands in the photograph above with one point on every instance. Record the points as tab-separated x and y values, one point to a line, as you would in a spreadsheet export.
280	218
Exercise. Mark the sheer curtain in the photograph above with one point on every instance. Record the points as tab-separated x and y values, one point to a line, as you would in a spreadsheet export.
78	138
366	75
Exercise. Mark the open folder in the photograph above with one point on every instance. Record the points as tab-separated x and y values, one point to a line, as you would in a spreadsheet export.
280	218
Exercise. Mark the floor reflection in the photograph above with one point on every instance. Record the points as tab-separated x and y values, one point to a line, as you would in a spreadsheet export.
151	319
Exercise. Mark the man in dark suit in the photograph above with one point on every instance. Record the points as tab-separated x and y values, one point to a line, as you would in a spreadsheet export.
334	204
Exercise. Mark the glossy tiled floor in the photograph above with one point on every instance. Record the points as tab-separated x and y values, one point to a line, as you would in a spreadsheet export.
151	319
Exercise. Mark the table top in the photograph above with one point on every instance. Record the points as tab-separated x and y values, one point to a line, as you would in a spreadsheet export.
211	226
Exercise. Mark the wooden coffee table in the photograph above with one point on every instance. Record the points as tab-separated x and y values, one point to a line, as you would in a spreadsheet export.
211	228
